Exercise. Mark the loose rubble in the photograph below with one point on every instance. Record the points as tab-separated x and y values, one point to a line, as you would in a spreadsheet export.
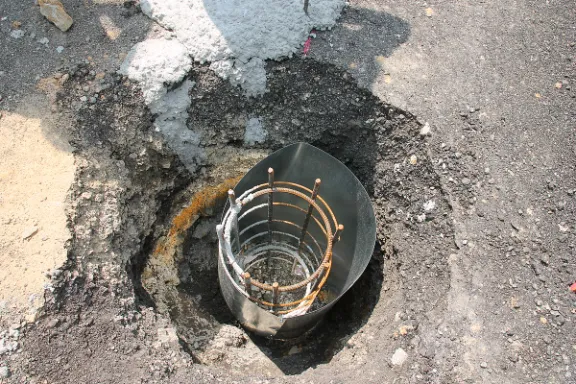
54	11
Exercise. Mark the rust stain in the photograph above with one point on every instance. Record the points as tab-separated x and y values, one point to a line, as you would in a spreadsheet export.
202	202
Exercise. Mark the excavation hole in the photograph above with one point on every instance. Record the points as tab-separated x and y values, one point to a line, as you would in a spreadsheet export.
310	102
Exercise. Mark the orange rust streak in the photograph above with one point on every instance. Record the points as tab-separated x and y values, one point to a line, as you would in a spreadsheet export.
202	200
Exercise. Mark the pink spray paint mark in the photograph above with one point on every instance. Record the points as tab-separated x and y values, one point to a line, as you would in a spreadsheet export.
307	46
308	43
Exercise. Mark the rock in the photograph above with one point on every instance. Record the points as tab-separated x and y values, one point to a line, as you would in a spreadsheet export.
425	131
429	205
17	33
54	11
399	357
203	229
4	372
483	364
294	350
53	323
29	232
59	49
167	335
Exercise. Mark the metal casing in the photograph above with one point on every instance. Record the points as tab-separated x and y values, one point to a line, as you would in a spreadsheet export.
303	163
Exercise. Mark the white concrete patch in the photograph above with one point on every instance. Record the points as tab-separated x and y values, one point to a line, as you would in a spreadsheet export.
154	63
236	36
172	110
255	132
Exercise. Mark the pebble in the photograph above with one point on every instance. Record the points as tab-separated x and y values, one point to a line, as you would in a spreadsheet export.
483	364
83	99
4	372
425	129
29	232
17	33
465	181
399	357
60	49
54	11
53	323
44	40
539	302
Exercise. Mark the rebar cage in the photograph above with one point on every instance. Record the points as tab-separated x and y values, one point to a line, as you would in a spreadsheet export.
277	240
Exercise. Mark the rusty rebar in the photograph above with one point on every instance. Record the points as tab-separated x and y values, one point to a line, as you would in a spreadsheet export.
336	236
309	213
270	202
275	294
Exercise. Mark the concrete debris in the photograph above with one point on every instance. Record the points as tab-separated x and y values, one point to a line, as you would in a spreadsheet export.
227	34
255	132
429	205
399	357
54	11
425	130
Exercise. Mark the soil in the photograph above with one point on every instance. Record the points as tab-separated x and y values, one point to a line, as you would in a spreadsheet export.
469	278
33	211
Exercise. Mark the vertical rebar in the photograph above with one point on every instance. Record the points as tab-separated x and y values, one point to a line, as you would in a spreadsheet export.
235	234
270	202
247	282
270	212
275	294
315	190
336	236
309	213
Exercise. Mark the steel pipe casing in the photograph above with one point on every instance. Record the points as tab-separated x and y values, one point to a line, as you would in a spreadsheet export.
302	163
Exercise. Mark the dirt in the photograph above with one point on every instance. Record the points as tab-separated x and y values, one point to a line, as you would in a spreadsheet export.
34	181
475	247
